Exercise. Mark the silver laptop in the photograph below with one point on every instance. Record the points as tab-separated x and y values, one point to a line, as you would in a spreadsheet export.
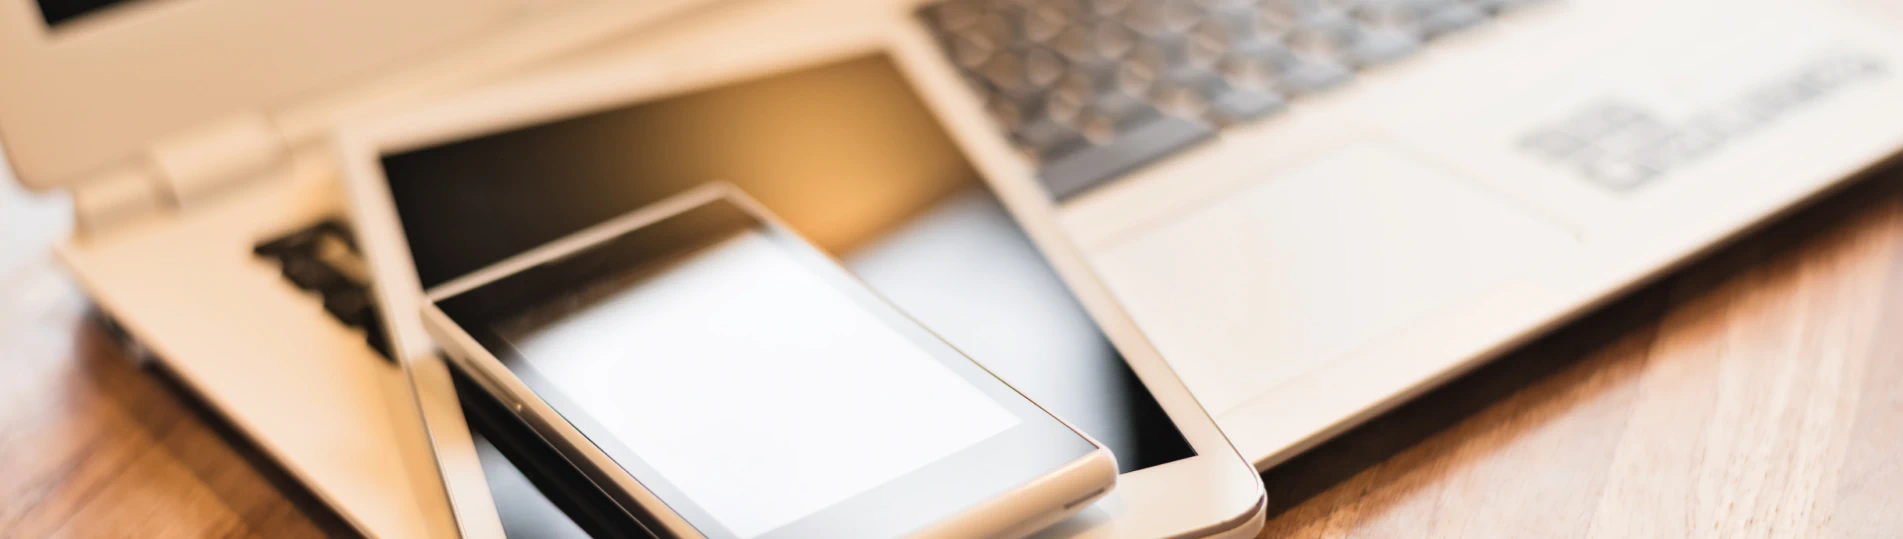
197	138
1318	208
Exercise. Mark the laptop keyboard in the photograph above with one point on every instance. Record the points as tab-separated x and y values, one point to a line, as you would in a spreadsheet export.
1091	89
323	259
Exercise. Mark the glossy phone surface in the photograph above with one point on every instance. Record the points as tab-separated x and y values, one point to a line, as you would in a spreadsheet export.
754	387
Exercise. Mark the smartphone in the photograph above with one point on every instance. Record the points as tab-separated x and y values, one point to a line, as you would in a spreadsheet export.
715	375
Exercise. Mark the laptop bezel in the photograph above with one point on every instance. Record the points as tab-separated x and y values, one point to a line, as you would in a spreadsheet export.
105	94
101	88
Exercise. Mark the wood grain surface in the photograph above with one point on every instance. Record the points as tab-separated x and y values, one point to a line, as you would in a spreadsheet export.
1755	393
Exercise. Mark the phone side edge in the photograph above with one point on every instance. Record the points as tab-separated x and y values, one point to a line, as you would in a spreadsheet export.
488	372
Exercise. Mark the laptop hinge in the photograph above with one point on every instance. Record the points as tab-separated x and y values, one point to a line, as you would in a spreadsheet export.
117	196
201	161
180	172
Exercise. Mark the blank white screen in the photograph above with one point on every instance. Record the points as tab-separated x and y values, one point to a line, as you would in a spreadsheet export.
757	389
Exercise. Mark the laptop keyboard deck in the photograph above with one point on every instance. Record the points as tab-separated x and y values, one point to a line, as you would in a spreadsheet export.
1091	89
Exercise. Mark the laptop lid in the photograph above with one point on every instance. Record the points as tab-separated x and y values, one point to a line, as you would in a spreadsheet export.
93	85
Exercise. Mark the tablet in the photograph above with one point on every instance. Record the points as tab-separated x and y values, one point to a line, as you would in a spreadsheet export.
842	148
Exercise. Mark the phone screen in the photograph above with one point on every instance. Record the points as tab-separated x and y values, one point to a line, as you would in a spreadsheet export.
754	386
746	381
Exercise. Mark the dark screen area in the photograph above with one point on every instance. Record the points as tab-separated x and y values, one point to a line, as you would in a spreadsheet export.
59	11
848	156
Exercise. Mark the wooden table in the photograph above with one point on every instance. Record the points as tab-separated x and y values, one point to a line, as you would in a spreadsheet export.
1756	393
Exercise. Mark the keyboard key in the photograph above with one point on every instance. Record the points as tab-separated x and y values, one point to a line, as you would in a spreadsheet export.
1005	72
304	240
1307	77
1159	136
1078	45
1007	113
1323	33
1046	21
1184	101
1201	78
970	51
1496	6
956	16
1401	17
1125	93
1156	19
1381	47
1113	40
1239	17
352	306
1048	137
1262	50
1109	8
1042	67
1238	105
309	273
1055	126
1452	18
373	335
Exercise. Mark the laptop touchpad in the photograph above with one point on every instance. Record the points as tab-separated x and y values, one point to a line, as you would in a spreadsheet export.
1256	288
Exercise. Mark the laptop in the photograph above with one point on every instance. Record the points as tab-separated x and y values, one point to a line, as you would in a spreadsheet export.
195	138
1316	209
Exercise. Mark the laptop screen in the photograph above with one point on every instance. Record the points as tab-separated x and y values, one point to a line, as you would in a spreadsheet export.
849	157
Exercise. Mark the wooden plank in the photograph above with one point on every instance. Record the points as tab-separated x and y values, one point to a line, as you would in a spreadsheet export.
92	445
1751	394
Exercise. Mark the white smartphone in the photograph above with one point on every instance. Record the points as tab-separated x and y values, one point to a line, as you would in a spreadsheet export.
716	375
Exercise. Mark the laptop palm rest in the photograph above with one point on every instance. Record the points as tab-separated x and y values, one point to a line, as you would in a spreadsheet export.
1252	290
